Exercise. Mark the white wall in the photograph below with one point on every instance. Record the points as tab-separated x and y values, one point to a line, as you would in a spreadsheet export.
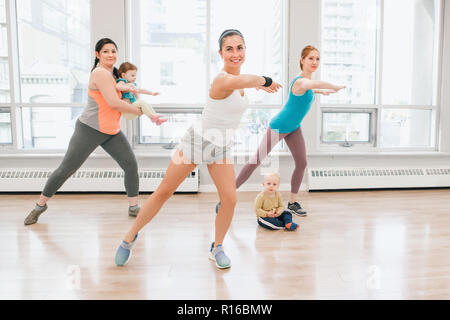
109	22
304	27
445	88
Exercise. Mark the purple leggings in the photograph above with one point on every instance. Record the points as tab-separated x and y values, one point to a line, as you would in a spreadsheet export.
296	145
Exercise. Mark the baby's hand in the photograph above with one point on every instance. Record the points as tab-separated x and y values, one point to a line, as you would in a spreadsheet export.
155	93
131	87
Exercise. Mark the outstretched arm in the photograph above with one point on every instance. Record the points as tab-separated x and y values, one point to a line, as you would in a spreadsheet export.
325	92
302	85
223	84
143	91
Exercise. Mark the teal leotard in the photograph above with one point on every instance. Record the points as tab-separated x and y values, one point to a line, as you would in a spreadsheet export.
293	112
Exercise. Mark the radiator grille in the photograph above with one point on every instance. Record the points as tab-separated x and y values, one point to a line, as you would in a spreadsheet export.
372	178
29	179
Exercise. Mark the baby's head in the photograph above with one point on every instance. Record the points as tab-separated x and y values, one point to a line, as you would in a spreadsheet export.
271	182
128	71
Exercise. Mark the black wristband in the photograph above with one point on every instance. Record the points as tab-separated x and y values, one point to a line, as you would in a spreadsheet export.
268	81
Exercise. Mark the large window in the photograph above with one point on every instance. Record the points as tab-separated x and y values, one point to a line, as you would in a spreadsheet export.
180	60
4	63
5	96
386	65
50	84
5	126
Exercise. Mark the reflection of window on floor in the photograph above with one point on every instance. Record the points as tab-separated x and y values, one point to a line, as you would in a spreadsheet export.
166	72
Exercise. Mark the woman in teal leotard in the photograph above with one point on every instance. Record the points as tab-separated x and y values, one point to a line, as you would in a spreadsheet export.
287	124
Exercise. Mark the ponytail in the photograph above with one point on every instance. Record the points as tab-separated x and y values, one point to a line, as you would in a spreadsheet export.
95	64
116	73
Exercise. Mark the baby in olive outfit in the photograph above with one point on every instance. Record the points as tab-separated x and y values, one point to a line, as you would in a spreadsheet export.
269	206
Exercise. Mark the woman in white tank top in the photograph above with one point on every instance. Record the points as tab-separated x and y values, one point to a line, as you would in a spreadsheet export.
208	140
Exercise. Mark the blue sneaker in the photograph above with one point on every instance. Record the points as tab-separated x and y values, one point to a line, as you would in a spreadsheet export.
218	255
123	253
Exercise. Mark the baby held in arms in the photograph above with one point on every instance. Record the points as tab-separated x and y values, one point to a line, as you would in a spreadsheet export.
130	93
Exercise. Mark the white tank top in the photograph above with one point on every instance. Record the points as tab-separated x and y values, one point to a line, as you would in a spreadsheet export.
221	118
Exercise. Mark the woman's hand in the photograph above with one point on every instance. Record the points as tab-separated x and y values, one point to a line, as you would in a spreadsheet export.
338	88
272	88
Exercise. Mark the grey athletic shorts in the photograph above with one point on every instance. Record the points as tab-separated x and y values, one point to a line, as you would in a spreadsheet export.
200	150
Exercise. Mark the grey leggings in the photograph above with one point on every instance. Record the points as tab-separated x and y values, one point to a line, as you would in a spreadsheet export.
296	145
83	142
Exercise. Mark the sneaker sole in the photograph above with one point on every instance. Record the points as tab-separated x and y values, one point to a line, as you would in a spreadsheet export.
211	257
298	214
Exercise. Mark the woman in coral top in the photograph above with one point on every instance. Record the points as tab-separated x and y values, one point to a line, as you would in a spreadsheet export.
98	125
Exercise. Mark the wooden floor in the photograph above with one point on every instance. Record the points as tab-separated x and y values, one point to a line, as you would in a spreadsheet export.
352	245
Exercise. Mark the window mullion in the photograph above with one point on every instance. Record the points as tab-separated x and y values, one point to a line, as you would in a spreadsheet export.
135	54
128	127
379	72
438	76
14	72
13	54
208	49
286	45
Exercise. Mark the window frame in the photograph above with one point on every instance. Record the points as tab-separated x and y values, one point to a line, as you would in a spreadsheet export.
16	103
355	110
435	106
132	54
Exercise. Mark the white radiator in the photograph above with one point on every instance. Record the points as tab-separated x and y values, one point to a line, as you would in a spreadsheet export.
89	180
377	178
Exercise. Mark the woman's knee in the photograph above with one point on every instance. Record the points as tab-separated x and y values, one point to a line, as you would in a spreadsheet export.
163	193
130	166
229	200
63	172
301	163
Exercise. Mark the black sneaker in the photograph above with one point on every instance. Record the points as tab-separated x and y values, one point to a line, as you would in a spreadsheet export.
133	211
296	208
217	207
